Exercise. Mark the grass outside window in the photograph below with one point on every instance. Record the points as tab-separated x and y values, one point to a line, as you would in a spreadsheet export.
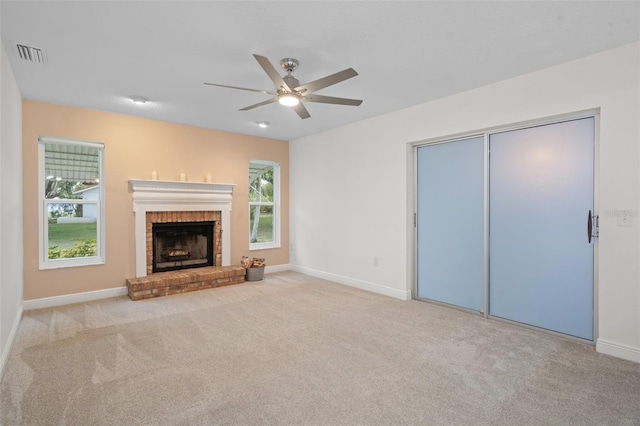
72	240
265	228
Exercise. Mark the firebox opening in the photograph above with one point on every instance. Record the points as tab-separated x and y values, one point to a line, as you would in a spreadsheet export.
181	245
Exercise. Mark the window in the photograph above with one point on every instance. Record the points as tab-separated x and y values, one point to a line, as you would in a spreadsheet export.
71	192
264	204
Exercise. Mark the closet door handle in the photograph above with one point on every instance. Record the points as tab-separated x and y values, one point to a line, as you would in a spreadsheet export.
589	226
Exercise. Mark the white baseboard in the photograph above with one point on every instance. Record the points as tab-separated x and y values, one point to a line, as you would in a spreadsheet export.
67	299
277	268
619	350
12	337
352	282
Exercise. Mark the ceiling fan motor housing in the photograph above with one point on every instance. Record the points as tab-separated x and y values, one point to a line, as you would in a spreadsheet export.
291	81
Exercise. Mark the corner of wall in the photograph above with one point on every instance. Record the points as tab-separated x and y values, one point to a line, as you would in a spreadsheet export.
11	208
6	350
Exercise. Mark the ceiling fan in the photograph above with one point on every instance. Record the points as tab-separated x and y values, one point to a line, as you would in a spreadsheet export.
291	93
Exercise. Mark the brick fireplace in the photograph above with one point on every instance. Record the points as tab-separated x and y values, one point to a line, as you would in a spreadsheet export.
163	202
168	201
194	217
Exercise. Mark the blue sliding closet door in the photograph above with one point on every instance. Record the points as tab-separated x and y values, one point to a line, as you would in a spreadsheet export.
450	222
541	190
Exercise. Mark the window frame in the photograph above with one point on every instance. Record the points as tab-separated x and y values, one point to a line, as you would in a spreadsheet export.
43	204
275	204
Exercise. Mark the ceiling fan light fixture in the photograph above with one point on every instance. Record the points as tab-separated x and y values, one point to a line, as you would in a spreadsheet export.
288	90
288	99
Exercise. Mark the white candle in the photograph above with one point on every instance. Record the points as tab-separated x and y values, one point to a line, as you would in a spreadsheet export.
207	178
154	175
183	177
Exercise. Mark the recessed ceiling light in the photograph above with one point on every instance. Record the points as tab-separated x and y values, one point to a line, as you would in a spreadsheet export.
263	124
138	99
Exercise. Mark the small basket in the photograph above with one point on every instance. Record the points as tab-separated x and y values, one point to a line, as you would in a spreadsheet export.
254	274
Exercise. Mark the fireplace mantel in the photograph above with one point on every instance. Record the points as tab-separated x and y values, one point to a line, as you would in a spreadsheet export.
170	186
161	195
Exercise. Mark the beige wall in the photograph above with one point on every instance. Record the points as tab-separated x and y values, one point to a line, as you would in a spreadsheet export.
134	147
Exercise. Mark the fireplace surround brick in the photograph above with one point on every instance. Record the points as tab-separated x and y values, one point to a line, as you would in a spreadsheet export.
184	216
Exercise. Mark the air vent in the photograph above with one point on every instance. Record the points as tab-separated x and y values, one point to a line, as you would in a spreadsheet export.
31	54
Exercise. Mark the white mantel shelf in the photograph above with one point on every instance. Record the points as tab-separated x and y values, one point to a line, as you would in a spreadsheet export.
146	185
165	195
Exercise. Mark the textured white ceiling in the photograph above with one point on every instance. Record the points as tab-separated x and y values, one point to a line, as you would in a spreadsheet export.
407	53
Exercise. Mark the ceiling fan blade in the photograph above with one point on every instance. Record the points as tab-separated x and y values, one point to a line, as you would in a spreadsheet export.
301	110
259	104
326	81
272	73
332	100
266	92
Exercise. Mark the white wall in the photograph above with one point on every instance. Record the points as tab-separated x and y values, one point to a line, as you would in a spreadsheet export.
11	246
351	188
91	210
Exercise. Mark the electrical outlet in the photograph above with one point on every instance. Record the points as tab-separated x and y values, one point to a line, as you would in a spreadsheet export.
625	220
376	261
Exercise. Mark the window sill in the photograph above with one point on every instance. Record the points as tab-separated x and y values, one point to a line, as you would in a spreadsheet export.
263	246
71	263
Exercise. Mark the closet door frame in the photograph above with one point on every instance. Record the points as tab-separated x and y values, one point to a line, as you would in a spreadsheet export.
413	233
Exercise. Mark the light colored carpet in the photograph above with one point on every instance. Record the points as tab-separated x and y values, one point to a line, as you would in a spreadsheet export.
297	350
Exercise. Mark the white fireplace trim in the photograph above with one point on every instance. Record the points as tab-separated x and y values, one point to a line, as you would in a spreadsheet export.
170	196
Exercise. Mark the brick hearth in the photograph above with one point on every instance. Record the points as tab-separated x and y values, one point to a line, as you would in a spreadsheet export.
182	281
